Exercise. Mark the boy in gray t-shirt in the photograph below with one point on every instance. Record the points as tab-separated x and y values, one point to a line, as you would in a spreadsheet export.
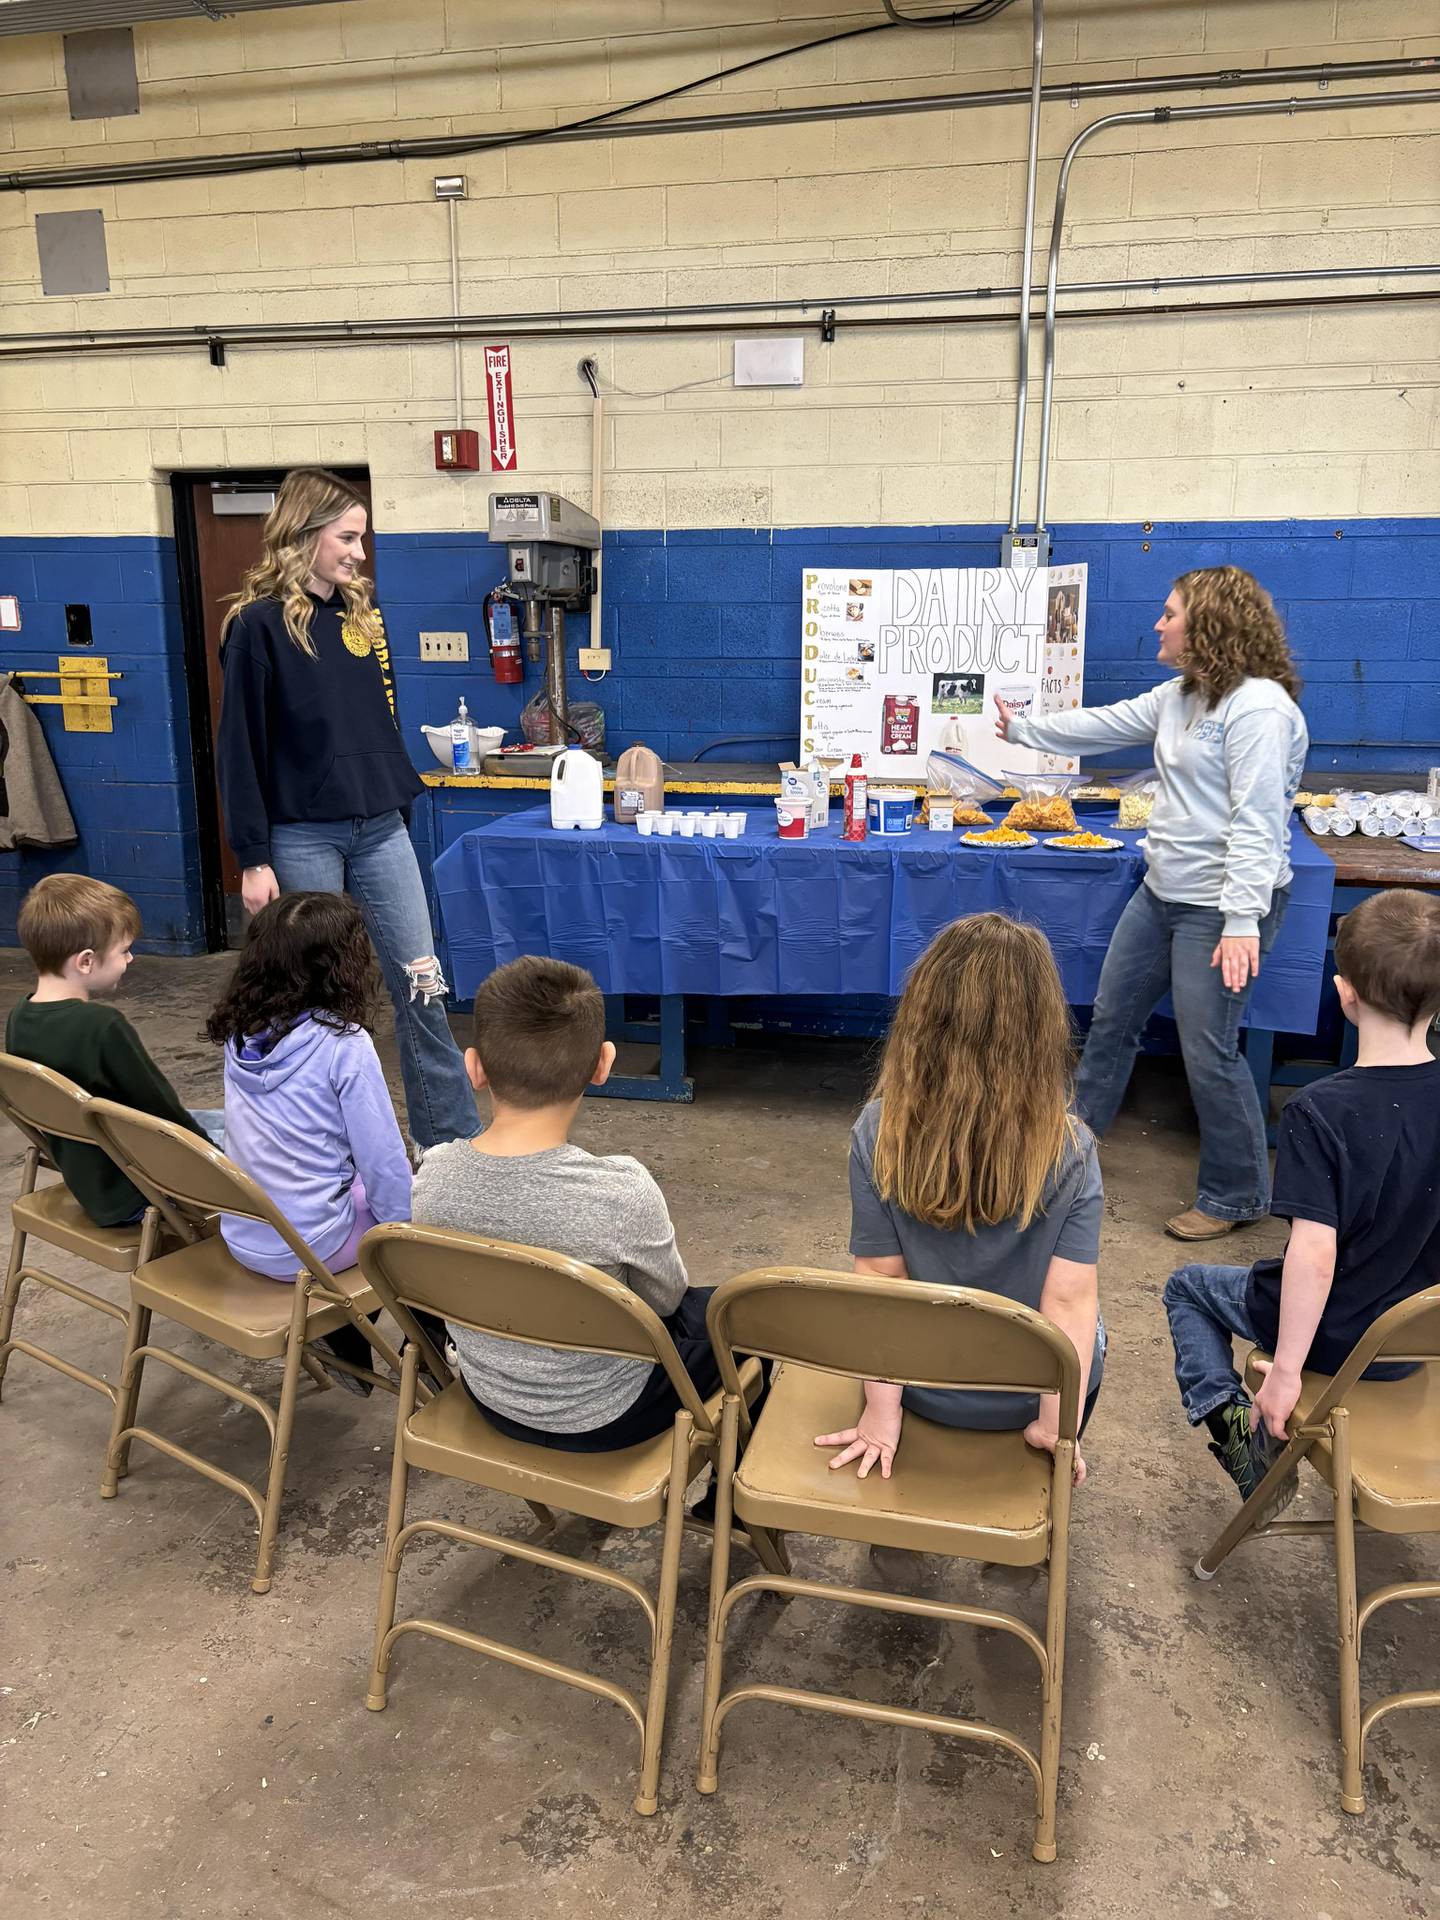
539	1041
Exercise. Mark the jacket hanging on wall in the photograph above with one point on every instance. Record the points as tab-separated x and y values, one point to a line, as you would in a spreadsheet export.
33	808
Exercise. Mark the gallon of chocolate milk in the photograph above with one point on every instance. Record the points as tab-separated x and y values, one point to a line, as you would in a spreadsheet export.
639	783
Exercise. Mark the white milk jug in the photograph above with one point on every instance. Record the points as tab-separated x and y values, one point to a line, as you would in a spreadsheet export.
577	790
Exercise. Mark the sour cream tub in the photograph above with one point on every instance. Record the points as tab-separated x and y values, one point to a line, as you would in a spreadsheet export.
892	810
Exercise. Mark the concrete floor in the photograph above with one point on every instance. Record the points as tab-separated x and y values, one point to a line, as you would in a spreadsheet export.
173	1746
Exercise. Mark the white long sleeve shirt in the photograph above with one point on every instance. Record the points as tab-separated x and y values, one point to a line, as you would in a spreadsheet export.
1220	830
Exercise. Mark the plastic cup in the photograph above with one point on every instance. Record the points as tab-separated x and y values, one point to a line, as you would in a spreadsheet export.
645	824
709	825
665	825
686	824
734	825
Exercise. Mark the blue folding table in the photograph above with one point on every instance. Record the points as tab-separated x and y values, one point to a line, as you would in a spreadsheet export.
824	917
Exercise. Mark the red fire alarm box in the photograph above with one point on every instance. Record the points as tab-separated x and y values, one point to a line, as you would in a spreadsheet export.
457	449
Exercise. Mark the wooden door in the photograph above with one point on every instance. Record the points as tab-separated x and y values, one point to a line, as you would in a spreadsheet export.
226	544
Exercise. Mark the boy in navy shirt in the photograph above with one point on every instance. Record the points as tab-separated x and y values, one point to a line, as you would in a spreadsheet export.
1357	1174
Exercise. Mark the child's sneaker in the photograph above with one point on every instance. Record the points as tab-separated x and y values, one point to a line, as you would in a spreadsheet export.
1248	1456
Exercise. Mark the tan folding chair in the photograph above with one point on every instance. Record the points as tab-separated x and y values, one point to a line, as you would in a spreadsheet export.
542	1299
971	1495
43	1105
1376	1445
205	1288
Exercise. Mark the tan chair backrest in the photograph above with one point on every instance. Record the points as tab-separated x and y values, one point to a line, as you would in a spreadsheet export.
43	1104
520	1293
1409	1331
40	1102
191	1173
903	1331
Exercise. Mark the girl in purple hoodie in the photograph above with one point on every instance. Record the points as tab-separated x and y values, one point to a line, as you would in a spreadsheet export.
307	1112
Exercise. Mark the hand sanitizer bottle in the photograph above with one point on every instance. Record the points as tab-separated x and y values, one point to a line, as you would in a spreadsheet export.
460	739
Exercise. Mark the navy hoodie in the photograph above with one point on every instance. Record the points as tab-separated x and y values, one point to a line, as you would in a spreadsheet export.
303	738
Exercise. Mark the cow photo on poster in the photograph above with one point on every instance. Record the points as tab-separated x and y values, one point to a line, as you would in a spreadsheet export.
895	663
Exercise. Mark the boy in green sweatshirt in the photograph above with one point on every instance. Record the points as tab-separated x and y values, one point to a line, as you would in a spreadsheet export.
78	932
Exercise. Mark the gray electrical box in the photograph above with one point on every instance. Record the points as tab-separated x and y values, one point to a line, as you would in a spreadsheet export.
1023	552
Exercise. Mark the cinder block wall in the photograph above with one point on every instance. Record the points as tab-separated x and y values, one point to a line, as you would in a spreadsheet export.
1213	426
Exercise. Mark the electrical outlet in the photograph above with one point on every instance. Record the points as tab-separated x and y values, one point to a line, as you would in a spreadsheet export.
444	646
594	659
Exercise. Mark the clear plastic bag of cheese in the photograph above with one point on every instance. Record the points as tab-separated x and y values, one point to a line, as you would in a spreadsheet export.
1137	797
1041	802
951	776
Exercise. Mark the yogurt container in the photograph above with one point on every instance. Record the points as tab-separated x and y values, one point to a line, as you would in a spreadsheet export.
892	810
792	816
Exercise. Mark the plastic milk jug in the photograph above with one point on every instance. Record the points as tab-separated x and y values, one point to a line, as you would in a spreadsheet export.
577	791
639	783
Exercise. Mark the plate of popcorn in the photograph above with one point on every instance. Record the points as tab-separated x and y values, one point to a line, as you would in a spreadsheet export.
999	837
1084	842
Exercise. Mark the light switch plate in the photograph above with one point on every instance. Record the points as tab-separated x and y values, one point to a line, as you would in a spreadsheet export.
594	659
444	646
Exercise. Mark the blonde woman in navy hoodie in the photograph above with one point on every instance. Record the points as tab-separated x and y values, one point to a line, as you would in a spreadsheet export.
307	1112
315	781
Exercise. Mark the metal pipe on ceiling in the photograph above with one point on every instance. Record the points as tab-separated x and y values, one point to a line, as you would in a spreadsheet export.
478	327
1162	116
76	16
421	327
1032	167
197	166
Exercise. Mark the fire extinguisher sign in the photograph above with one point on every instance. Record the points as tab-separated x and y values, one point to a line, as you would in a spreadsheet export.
502	409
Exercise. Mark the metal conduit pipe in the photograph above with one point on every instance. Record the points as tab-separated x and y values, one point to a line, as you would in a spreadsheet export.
1159	117
1032	166
421	327
268	160
370	333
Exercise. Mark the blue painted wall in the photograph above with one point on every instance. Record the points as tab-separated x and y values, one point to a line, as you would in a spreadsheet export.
131	791
705	625
705	630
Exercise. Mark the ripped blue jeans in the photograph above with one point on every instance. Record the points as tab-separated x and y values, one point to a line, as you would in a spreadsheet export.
374	862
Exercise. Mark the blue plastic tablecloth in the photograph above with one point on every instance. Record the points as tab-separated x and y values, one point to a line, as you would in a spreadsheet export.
825	916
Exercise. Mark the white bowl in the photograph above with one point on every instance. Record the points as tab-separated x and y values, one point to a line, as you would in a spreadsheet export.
483	740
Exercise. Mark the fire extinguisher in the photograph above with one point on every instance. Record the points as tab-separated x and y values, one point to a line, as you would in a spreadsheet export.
505	661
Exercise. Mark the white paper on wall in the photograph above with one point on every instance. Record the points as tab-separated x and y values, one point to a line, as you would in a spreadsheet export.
895	663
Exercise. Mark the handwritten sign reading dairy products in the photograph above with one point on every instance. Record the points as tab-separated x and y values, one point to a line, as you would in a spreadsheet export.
896	663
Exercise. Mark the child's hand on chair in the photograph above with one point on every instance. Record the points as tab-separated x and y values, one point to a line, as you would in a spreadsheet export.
875	1436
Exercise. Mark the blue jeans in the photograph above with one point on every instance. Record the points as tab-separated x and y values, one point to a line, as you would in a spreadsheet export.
1206	1306
212	1121
374	862
1162	946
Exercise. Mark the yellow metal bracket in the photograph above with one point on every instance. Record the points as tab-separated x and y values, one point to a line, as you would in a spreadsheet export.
84	693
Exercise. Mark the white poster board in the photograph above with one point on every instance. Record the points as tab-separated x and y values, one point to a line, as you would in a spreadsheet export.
897	663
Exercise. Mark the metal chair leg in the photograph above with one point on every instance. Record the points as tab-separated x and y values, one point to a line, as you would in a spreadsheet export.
132	1409
127	1400
654	1737
280	1446
11	1296
707	1774
394	1522
1352	1790
1054	1674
